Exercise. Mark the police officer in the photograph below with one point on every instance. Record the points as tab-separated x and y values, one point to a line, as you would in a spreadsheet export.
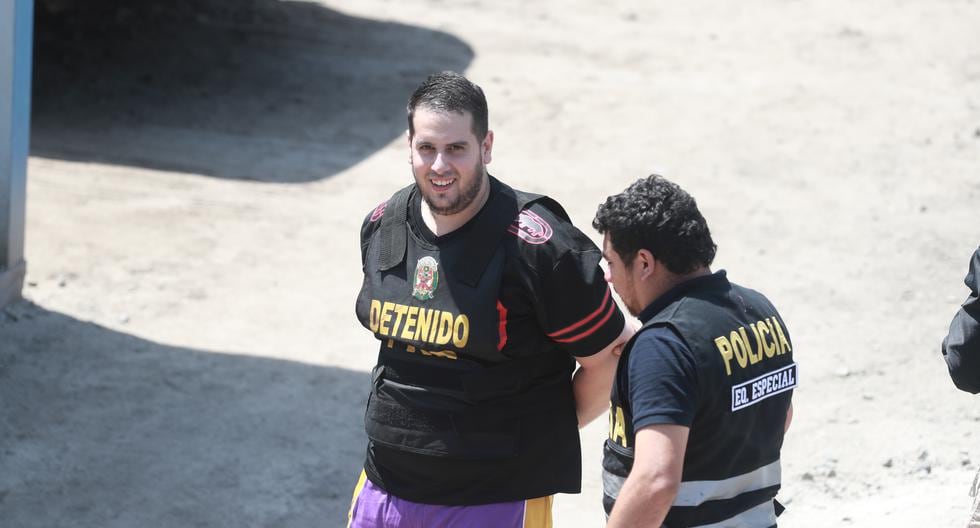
961	349
702	393
483	299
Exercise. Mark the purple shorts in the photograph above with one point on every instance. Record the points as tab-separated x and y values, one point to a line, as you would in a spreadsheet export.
372	507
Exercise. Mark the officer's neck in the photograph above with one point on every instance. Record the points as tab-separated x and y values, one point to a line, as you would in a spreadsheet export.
664	281
442	225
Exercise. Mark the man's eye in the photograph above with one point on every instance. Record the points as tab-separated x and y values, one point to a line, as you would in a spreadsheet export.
456	148
425	148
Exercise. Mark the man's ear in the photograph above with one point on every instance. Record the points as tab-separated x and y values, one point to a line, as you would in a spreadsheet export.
646	262
486	148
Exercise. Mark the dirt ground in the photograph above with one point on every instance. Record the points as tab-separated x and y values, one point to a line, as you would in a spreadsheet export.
187	353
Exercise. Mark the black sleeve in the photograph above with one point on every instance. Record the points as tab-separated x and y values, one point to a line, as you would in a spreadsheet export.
961	347
663	380
574	303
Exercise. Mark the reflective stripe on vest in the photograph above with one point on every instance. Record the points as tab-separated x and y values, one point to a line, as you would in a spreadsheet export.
611	484
697	492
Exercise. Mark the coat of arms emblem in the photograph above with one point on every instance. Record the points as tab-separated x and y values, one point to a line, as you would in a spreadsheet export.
426	278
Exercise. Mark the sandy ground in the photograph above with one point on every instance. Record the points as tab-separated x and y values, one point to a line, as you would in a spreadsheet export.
187	353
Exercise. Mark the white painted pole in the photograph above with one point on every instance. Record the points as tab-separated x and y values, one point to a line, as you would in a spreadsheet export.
16	24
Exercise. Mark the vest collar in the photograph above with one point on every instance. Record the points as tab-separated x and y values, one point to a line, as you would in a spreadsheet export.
718	278
481	242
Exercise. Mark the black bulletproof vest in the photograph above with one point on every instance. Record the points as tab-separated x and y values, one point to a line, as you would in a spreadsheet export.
745	375
441	387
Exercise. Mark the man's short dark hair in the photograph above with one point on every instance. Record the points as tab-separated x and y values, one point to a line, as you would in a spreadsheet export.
450	92
657	215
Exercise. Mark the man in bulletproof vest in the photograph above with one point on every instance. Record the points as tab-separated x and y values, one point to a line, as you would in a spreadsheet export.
701	398
961	349
483	299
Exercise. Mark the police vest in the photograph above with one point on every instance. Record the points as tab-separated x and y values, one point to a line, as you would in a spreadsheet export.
746	374
447	410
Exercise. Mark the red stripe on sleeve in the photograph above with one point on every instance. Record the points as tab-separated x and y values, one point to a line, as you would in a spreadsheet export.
502	312
603	306
590	331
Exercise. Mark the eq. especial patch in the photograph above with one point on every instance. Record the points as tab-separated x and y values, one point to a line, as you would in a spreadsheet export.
758	389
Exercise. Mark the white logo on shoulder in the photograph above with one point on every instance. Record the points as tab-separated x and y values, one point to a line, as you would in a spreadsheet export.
379	211
531	228
755	390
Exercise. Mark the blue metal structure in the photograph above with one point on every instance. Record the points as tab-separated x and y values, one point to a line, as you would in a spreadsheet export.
16	21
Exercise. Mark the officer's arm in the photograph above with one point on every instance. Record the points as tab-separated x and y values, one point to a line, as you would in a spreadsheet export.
593	379
653	482
961	348
789	418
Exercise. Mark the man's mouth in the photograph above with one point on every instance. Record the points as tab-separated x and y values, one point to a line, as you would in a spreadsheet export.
441	183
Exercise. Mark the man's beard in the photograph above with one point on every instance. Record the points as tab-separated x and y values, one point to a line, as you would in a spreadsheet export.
465	197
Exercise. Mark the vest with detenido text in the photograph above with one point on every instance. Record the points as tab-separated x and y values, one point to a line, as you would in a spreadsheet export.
471	399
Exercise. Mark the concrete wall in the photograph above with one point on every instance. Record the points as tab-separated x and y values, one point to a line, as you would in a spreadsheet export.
16	20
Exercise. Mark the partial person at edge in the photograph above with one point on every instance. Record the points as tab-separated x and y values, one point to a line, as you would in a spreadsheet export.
961	347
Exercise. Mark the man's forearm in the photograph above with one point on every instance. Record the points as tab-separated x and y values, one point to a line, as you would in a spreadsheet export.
643	501
591	387
593	380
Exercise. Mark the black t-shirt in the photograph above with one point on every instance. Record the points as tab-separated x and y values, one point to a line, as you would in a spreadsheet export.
550	299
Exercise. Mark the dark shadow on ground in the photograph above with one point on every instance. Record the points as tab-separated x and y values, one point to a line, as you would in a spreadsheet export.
104	429
267	90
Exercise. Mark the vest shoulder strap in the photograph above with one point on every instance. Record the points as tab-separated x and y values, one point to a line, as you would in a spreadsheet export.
483	242
394	229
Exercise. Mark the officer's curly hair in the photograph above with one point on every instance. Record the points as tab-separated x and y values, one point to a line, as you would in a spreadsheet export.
450	92
657	215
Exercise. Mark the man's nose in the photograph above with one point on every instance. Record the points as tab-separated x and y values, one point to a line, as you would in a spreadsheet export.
607	275
439	164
